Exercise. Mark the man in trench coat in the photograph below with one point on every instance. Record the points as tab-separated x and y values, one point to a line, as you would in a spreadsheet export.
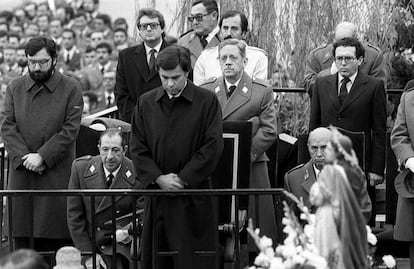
42	114
179	150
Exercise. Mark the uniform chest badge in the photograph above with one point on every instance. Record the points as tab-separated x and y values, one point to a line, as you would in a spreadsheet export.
128	174
306	176
217	89
245	90
92	168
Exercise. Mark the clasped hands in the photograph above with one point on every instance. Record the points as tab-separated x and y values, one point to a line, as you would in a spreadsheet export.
170	182
34	162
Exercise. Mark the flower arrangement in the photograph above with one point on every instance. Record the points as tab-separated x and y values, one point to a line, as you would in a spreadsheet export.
298	249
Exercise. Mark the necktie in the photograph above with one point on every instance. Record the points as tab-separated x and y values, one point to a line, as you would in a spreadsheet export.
151	63
203	40
67	58
109	98
343	92
102	70
230	91
109	180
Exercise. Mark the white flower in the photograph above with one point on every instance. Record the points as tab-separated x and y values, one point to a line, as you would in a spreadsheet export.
315	260
265	242
389	261
297	259
257	231
289	251
262	260
276	263
372	239
269	252
308	230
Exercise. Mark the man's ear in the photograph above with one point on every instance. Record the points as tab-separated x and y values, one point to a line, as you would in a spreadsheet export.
360	60
125	149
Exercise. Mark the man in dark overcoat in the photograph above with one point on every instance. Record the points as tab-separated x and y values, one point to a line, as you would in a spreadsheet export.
42	115
176	142
356	102
136	72
109	170
243	98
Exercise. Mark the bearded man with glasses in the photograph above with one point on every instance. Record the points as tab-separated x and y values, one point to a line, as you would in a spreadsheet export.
354	101
204	18
42	114
136	72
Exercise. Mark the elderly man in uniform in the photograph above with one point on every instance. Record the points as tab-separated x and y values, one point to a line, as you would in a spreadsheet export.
242	98
321	61
42	114
204	17
233	24
110	170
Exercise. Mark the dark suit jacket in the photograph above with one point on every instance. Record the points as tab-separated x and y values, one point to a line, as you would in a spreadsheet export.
74	63
87	173
133	79
364	110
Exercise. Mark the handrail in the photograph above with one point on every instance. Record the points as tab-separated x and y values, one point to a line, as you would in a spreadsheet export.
302	90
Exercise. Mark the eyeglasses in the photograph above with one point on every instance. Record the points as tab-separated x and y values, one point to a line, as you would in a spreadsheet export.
144	26
347	59
42	62
197	17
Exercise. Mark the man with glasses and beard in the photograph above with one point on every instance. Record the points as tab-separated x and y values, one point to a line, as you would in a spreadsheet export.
233	24
42	114
204	34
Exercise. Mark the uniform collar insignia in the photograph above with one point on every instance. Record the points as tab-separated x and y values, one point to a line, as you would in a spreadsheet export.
92	168
245	90
217	89
128	174
306	176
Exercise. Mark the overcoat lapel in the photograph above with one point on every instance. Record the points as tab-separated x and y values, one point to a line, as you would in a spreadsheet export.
241	95
356	90
332	90
309	177
141	61
95	177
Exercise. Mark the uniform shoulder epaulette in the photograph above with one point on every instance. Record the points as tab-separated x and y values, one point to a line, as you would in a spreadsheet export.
261	82
258	49
320	47
295	168
84	158
209	81
374	47
189	31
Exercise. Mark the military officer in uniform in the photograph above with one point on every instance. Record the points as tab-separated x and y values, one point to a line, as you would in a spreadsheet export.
110	170
233	24
300	179
321	60
242	98
204	17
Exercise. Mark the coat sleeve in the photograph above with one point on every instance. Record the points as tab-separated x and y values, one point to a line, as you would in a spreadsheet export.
378	130
267	131
401	143
123	98
76	214
15	144
146	168
53	150
377	68
204	160
260	70
199	73
315	108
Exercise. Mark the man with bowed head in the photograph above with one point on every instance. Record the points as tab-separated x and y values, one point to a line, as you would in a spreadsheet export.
178	150
42	114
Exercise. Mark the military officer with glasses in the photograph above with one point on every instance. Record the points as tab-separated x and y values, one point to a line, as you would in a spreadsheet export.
42	114
204	18
321	60
352	100
136	72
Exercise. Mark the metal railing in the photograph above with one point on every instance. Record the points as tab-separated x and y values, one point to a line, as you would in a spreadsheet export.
237	194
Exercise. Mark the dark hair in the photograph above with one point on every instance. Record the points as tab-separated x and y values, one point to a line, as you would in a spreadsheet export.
121	30
68	30
350	42
8	15
172	56
105	18
23	259
35	44
93	97
89	48
112	132
240	44
232	13
81	14
120	20
43	15
104	45
152	13
210	5
57	19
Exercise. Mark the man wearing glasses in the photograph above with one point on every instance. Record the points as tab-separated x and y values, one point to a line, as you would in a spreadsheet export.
203	18
321	61
352	100
42	114
136	72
